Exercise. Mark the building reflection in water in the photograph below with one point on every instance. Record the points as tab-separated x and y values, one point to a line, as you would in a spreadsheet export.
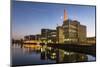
61	56
42	54
30	48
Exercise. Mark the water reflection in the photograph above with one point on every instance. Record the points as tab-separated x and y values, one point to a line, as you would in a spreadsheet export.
42	54
31	48
61	56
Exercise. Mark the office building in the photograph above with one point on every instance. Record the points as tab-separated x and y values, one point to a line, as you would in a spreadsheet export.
71	31
48	35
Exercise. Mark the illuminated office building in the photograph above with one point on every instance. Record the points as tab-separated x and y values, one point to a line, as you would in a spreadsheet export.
71	31
60	35
48	35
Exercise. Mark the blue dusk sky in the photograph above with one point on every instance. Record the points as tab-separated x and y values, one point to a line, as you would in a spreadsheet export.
28	18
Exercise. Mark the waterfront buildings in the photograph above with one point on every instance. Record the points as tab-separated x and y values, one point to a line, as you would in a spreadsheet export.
71	31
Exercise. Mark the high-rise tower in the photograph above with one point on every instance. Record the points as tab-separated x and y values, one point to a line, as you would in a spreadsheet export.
65	15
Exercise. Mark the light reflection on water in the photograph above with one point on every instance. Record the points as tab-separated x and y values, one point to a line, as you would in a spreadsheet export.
36	54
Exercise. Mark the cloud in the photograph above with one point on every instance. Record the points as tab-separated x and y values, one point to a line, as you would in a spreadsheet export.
61	17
